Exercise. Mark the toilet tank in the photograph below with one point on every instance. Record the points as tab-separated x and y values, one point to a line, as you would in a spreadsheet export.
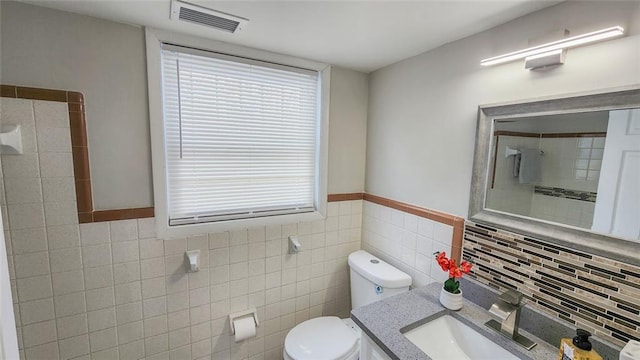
373	279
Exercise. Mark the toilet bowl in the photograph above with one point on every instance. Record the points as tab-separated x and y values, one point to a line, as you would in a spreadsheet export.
332	338
325	337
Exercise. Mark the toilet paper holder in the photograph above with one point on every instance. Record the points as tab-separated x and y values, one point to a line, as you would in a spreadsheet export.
239	315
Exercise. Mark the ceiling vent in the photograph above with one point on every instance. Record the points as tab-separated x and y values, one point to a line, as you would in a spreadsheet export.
184	11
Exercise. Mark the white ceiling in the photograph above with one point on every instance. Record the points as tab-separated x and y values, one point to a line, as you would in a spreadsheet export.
361	35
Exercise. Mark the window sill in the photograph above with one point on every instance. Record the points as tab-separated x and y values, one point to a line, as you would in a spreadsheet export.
181	231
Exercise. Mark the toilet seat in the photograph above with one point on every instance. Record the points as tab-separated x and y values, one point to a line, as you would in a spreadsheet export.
322	338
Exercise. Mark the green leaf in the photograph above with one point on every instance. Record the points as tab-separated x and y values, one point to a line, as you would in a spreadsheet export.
452	286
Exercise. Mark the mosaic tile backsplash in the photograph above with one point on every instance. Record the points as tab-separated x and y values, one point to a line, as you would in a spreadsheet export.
585	290
566	193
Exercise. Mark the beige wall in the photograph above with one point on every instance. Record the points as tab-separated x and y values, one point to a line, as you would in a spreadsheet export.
347	131
106	61
422	111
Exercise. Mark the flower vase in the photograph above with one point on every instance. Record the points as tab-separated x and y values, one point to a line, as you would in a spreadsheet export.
451	301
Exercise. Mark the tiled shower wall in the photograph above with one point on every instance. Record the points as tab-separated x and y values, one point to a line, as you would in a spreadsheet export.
585	290
112	290
406	241
569	164
506	192
556	209
573	165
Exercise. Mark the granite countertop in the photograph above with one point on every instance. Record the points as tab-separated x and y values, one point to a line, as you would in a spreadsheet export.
383	321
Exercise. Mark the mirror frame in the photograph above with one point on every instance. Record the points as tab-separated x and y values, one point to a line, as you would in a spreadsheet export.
564	235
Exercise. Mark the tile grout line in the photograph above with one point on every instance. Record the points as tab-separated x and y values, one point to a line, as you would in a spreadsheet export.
46	234
13	267
141	301
113	282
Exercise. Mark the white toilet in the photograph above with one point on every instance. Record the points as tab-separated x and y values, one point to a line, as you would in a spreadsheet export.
332	338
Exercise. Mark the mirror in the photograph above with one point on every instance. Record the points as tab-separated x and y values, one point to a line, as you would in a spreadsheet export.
566	170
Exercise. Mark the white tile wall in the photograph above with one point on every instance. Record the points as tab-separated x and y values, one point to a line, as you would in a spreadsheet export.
406	241
563	160
572	163
566	211
567	166
508	194
145	304
112	289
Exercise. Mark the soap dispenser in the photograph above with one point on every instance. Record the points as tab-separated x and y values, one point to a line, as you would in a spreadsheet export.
578	348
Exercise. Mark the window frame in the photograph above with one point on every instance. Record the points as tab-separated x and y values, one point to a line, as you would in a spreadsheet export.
154	39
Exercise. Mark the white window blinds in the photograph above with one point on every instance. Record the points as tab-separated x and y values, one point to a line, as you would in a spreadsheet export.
241	137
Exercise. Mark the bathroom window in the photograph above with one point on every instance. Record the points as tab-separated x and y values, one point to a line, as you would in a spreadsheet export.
589	158
241	140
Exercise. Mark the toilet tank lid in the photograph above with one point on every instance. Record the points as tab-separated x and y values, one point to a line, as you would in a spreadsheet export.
378	271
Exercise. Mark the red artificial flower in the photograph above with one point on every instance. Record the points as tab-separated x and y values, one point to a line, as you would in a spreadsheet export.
455	272
449	265
465	267
442	260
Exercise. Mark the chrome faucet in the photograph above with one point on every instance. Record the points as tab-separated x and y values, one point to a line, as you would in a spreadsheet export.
506	314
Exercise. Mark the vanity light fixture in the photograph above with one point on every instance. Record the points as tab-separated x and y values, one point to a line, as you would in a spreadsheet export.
555	47
555	57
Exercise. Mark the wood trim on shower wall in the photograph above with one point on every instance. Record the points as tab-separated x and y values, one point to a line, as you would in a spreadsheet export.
80	152
345	197
550	135
575	135
455	221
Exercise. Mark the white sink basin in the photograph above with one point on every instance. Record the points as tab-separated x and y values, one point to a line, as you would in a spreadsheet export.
447	338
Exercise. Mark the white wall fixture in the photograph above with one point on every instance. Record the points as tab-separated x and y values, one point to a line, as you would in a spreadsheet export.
10	140
243	324
511	151
553	50
194	260
294	245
